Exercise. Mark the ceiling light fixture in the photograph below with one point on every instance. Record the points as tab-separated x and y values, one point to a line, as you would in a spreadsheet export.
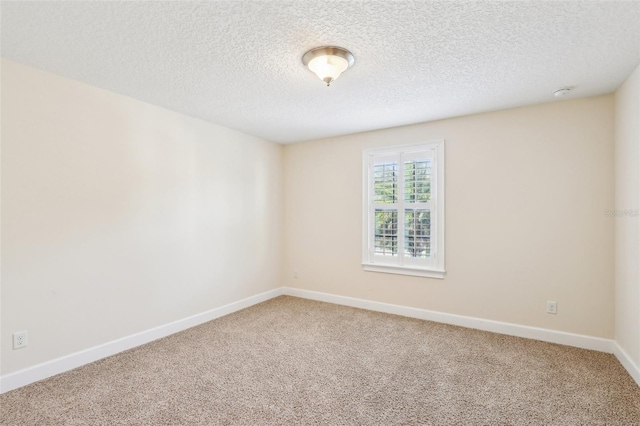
328	62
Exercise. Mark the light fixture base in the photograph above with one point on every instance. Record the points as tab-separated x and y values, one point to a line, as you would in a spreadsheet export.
328	51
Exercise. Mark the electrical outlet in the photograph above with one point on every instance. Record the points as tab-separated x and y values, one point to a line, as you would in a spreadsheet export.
295	274
552	307
20	339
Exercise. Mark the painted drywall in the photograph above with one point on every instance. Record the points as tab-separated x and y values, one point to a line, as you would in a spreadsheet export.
119	216
526	194
625	215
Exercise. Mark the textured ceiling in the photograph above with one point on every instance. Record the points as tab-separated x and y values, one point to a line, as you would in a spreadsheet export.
238	64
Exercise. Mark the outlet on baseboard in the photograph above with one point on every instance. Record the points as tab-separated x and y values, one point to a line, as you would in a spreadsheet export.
552	307
20	339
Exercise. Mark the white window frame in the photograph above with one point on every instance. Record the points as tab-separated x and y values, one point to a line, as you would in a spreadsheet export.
434	267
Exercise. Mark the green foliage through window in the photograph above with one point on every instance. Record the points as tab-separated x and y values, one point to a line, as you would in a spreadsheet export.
417	233
386	232
385	183
417	222
417	181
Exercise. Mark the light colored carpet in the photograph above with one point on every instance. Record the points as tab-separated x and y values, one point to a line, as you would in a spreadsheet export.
293	361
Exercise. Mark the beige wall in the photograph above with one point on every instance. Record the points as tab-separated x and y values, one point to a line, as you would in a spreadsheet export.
119	216
527	191
627	226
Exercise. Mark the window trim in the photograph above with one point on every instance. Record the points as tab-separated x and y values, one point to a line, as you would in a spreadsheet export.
437	267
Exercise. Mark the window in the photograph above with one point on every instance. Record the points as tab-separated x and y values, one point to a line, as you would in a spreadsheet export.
404	210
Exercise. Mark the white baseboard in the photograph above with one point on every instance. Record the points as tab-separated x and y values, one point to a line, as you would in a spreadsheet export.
69	362
60	365
627	363
552	336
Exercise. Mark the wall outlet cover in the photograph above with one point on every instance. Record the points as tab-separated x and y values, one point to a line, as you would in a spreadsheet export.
20	339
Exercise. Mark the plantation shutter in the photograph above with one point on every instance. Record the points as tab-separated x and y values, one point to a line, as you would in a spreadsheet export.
400	207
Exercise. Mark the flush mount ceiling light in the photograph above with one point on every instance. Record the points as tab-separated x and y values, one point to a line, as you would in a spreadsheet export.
328	62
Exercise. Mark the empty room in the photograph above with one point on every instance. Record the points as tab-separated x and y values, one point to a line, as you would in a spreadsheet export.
320	212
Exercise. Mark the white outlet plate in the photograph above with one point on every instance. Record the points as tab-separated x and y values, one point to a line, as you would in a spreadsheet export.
20	339
552	307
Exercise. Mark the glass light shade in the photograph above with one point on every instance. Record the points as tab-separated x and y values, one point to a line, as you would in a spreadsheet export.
328	67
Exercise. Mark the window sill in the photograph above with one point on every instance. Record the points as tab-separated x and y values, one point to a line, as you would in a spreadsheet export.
404	270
